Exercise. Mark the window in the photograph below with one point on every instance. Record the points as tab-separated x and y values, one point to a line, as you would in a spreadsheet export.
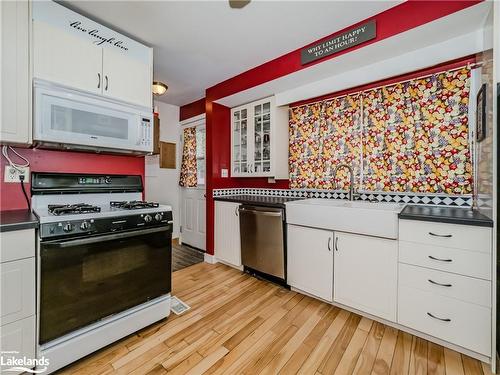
200	154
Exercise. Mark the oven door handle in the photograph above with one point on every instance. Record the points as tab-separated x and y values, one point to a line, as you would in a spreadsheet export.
108	237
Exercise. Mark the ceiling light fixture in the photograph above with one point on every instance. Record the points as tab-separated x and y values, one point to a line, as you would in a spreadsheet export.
238	4
159	88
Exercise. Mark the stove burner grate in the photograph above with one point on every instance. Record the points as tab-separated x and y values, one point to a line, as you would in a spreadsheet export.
78	208
134	205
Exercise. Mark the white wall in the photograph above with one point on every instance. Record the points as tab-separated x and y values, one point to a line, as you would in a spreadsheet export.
162	185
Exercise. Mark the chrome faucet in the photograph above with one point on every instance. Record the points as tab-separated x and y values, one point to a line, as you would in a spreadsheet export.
351	180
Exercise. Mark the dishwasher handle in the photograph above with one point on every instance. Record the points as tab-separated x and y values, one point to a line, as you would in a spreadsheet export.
263	213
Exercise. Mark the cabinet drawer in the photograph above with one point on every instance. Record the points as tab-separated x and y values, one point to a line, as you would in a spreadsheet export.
446	235
463	262
17	244
466	325
17	286
446	284
17	337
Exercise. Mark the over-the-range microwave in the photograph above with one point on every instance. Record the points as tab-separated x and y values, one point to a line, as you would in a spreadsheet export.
73	120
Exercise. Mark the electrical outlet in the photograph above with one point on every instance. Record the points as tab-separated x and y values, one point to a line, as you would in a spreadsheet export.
224	173
12	174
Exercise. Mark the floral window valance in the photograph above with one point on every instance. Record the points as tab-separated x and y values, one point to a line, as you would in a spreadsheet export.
408	137
188	176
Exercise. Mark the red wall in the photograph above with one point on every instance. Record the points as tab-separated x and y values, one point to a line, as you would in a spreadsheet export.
11	196
192	109
396	20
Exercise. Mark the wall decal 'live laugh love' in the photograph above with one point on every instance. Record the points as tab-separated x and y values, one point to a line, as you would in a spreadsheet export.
99	38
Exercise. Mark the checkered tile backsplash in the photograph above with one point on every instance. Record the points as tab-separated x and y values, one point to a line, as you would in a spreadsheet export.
411	198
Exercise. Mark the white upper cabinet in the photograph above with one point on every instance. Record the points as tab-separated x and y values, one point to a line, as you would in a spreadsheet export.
66	59
126	79
15	95
259	140
74	51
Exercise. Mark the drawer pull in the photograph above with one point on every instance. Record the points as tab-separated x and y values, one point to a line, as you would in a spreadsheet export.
441	235
441	319
440	260
436	283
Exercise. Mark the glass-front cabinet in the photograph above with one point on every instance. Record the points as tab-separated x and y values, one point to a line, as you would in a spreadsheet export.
259	140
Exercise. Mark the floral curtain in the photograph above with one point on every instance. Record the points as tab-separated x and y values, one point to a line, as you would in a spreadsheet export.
410	137
322	136
188	177
415	136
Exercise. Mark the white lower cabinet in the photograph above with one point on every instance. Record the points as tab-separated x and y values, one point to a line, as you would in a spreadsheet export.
365	274
17	296
310	261
445	282
458	322
227	233
19	338
17	287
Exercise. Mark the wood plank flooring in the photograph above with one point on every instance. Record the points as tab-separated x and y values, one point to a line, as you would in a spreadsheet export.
240	325
184	256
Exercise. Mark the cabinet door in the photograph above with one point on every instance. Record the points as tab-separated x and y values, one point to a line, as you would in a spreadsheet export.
19	338
227	233
310	261
262	152
240	142
66	59
15	95
17	286
366	274
127	78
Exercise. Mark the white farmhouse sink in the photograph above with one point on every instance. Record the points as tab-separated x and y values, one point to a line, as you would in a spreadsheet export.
372	219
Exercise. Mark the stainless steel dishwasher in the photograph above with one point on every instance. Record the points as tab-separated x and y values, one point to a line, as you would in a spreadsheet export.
262	240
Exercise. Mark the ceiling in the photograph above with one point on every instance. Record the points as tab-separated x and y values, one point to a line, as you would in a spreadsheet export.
198	44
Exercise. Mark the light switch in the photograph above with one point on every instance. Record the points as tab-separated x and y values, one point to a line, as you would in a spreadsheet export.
224	173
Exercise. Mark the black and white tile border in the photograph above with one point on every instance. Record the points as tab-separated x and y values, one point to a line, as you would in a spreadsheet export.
411	198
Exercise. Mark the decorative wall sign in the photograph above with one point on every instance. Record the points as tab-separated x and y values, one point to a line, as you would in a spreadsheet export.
73	23
481	114
339	42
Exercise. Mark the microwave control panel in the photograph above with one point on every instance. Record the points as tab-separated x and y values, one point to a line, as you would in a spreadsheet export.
146	132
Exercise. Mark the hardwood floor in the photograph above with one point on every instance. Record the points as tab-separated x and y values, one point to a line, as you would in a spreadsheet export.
184	256
240	325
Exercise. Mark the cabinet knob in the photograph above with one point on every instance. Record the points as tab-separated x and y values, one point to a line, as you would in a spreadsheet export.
98	80
106	78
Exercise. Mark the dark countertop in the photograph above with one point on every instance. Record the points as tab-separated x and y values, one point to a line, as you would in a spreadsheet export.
452	215
17	220
258	200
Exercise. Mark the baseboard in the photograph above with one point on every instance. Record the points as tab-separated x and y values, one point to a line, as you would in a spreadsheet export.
210	259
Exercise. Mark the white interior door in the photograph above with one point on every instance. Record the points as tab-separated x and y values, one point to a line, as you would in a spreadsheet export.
193	201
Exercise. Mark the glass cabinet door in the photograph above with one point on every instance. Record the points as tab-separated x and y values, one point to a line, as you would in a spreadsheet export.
240	142
262	138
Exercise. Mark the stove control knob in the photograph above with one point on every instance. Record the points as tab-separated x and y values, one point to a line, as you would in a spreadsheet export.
158	217
148	218
85	225
68	227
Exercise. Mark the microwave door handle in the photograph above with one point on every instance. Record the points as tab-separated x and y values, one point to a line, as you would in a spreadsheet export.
108	237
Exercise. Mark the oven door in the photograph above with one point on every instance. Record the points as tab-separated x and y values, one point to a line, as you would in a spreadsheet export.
85	280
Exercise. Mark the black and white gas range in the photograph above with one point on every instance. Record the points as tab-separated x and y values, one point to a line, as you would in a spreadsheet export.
104	262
